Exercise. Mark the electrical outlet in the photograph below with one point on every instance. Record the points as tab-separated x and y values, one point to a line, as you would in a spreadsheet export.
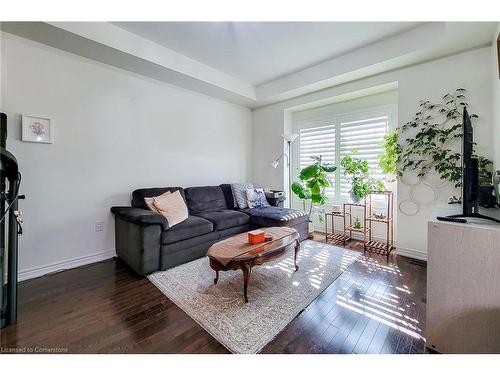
99	226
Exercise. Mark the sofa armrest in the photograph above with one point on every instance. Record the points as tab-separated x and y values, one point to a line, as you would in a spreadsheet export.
138	238
140	216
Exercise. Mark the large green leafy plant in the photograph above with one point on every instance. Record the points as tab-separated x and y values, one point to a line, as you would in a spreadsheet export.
358	172
311	187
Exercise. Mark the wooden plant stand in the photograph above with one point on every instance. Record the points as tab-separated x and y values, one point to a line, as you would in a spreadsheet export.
385	246
349	228
333	237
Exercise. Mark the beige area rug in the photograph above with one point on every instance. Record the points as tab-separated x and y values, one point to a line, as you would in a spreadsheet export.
276	293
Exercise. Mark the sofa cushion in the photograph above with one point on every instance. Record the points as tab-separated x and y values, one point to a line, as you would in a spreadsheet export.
275	216
224	219
186	246
205	198
191	227
139	195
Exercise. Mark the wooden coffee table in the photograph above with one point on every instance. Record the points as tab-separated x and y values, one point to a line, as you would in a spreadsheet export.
257	255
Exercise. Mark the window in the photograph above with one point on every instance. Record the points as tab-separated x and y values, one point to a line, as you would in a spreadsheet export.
363	136
335	136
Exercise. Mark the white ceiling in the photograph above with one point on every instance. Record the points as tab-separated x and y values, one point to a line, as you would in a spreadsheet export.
259	52
255	64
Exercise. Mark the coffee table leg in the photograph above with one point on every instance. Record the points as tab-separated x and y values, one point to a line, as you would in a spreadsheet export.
216	277
297	248
246	277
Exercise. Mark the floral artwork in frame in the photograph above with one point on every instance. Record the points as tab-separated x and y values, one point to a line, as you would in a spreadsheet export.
37	129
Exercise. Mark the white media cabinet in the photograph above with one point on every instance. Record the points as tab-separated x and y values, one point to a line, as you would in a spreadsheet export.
463	287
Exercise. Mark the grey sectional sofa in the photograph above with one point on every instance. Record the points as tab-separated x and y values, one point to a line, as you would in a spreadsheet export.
146	243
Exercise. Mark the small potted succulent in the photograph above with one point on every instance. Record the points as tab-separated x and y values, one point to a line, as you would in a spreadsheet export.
357	223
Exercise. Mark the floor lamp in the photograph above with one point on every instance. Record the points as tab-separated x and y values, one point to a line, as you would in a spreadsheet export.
289	138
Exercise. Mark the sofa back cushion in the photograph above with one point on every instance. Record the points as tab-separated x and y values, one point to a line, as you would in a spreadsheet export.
139	195
204	199
227	190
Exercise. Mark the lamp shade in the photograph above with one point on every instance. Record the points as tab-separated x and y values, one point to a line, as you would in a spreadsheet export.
290	137
274	163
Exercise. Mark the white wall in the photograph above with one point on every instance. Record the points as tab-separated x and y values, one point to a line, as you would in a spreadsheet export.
496	99
431	81
114	132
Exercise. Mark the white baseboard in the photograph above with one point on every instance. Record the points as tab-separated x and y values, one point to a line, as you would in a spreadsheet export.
30	273
407	252
411	253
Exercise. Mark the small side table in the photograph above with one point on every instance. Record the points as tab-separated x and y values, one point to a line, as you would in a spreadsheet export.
332	237
276	202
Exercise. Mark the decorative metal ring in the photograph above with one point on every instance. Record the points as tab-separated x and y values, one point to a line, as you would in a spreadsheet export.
417	207
402	179
427	202
444	183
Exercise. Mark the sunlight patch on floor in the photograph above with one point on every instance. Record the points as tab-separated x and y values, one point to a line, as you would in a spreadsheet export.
405	330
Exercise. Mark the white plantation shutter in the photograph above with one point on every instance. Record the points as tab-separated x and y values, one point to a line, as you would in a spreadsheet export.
364	135
337	135
318	141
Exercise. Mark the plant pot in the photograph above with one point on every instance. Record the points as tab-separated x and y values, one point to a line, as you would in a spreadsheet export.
355	198
311	226
311	230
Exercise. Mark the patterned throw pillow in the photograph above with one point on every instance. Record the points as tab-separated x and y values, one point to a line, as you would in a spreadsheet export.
240	193
256	198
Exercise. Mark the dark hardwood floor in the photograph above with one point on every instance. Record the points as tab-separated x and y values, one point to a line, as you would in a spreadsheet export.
373	307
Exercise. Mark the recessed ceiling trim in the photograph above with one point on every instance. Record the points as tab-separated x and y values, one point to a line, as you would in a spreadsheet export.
111	45
351	66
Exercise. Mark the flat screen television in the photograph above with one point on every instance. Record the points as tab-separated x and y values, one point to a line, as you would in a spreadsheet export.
470	176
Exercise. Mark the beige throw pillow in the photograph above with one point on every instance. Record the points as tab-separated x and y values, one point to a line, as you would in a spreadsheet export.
150	202
172	206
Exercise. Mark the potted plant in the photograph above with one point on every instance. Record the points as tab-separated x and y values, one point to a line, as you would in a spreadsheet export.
357	223
312	184
359	175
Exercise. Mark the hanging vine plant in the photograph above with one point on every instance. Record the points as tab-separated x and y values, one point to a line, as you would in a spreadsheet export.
432	147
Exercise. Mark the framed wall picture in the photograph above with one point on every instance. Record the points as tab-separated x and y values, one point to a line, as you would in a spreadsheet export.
37	129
